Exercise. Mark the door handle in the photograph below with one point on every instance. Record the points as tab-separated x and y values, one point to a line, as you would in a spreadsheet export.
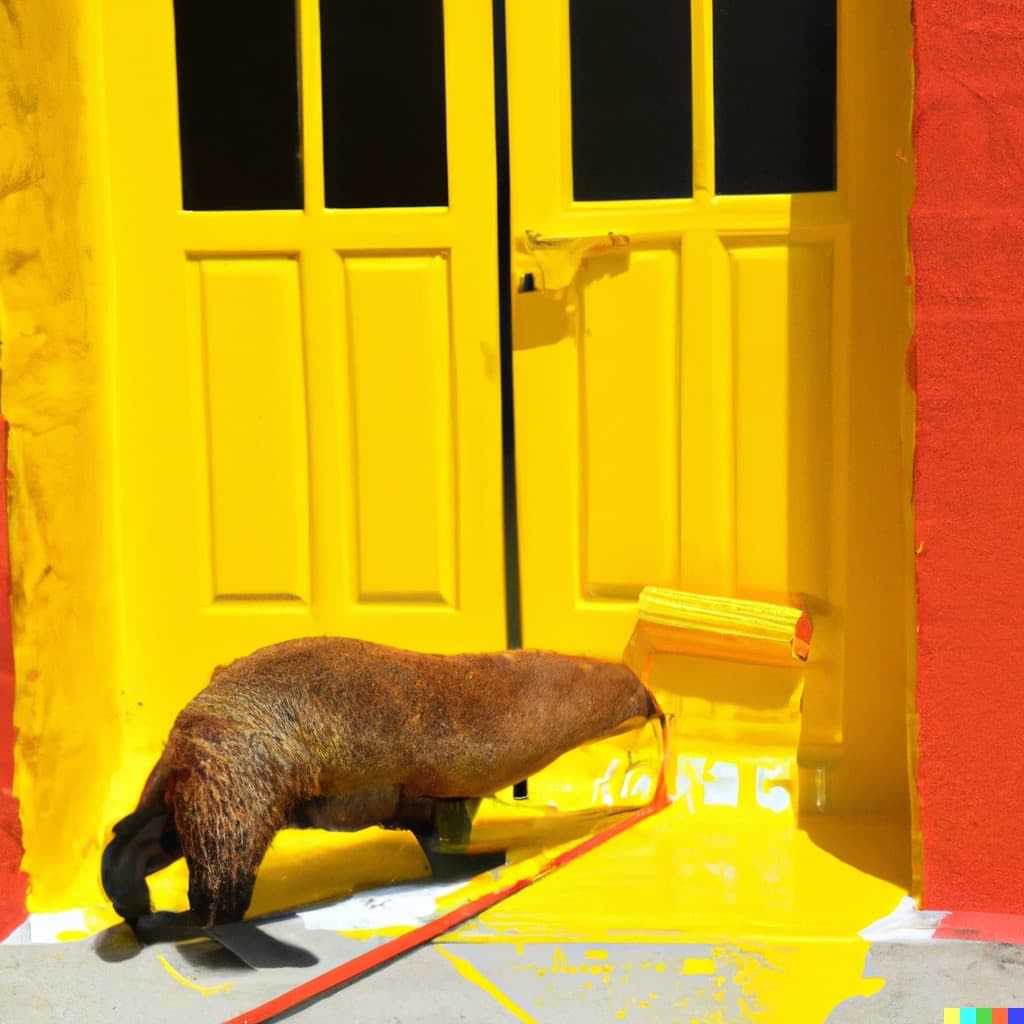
558	257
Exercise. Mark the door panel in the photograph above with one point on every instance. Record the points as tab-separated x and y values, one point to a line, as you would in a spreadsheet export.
308	401
246	317
781	325
628	389
402	556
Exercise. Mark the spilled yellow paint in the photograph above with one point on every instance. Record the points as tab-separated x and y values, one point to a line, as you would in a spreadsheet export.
309	867
727	863
782	914
785	982
560	964
579	793
698	965
798	982
99	918
389	932
672	878
471	974
203	990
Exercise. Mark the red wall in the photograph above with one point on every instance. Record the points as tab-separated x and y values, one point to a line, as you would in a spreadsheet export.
967	236
12	881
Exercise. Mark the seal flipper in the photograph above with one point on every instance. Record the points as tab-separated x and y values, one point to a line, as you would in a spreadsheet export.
450	867
256	948
242	939
144	842
444	842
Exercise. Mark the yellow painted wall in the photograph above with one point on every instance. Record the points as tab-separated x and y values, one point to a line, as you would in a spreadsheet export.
55	280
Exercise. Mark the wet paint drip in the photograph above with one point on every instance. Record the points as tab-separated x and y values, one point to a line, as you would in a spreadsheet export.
203	990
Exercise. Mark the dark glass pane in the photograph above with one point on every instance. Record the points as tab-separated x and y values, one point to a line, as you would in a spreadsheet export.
384	123
238	103
775	96
631	117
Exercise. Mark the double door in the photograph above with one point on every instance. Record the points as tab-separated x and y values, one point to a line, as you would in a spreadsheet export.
390	367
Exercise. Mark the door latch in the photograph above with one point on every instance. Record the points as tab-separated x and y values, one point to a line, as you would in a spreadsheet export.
558	257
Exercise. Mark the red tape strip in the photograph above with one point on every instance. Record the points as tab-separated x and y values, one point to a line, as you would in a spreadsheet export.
374	958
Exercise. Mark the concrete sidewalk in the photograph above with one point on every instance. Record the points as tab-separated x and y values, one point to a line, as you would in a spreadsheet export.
452	983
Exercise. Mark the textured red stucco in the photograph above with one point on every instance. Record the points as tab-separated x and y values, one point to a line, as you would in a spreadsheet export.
967	237
12	881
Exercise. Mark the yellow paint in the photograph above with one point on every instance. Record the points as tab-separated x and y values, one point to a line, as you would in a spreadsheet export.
744	447
951	1015
769	981
390	932
783	914
305	868
725	863
301	868
579	793
248	315
203	990
799	982
681	876
471	974
698	965
56	280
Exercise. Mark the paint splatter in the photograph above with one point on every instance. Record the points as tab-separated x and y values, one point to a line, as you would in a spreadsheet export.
203	990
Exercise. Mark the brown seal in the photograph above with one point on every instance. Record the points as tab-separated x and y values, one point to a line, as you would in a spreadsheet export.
343	734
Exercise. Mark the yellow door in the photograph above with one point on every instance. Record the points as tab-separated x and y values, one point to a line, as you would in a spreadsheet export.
682	292
672	344
308	417
708	211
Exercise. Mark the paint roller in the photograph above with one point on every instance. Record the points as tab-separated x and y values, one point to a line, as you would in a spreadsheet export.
730	628
732	695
